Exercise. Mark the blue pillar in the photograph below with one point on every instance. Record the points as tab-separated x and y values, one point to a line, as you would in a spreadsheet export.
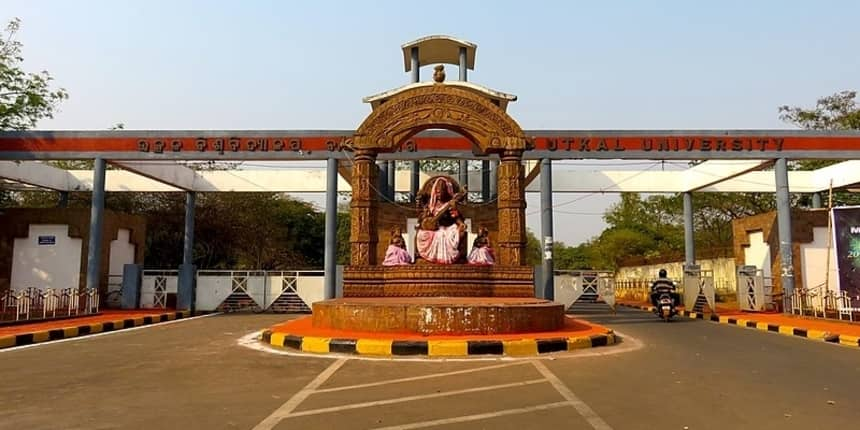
382	180
63	201
494	178
485	181
330	252
187	278
816	200
546	228
783	220
392	172
94	250
413	183
689	244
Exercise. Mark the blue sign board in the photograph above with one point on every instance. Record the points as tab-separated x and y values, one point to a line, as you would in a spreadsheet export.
47	240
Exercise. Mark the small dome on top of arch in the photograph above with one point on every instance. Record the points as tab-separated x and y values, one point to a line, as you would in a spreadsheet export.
439	49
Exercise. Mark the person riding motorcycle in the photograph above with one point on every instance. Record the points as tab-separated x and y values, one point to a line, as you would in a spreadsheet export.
663	285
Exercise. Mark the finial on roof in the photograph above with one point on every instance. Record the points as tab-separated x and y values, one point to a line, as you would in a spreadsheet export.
439	73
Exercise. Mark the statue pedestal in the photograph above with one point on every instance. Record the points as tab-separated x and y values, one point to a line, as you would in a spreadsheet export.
436	280
439	315
431	299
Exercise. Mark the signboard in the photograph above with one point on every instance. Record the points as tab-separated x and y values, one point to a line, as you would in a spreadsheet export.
846	235
47	240
320	144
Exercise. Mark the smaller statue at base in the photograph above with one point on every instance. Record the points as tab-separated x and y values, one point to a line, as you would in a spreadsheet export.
396	254
482	254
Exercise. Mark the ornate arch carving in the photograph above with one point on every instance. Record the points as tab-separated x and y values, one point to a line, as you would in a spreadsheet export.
440	106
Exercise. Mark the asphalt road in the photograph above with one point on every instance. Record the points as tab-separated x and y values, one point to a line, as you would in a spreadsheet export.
193	374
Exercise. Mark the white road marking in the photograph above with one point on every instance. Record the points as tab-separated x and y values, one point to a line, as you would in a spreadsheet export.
252	341
105	333
272	420
476	417
418	378
412	398
584	410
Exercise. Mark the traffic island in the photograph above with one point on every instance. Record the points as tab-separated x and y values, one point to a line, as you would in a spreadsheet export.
301	335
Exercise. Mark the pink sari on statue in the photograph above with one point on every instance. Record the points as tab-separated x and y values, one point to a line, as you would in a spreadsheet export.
443	245
396	256
482	256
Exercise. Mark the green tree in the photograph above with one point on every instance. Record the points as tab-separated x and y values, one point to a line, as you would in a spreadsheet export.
838	111
834	112
534	249
25	98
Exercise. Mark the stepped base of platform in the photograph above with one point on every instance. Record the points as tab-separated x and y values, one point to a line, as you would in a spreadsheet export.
439	315
431	280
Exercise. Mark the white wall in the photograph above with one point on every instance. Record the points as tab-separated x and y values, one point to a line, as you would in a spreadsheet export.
813	260
121	252
758	253
46	266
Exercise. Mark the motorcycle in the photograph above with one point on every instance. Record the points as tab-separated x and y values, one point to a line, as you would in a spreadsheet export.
666	307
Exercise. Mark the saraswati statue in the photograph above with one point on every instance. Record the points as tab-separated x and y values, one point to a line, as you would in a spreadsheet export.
441	229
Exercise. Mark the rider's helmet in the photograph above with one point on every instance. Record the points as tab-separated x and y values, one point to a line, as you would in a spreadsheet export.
662	273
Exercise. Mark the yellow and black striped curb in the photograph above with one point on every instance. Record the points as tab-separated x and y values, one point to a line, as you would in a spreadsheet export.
820	335
436	348
85	329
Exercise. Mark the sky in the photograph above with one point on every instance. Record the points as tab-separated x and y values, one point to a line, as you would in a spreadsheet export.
573	65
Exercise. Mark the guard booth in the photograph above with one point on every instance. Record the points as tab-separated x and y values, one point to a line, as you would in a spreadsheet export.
698	289
585	286
755	292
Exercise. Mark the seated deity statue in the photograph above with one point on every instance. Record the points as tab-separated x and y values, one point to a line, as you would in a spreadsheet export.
440	225
482	254
396	254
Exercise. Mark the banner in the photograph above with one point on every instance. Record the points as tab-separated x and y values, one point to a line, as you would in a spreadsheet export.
846	235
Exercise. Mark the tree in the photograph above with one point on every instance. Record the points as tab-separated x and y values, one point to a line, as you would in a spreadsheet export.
534	249
25	98
835	112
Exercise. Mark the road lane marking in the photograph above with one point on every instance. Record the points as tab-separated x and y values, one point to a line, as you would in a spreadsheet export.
412	398
476	417
275	417
584	410
418	378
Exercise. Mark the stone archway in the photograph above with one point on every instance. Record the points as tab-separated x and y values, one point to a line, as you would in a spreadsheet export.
440	106
444	106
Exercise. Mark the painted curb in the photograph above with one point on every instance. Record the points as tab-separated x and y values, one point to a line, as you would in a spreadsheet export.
817	335
22	339
436	348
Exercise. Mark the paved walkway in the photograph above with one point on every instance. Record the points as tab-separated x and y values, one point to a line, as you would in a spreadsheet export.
109	320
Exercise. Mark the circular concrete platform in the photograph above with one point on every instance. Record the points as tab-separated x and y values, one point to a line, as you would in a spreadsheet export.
439	315
300	334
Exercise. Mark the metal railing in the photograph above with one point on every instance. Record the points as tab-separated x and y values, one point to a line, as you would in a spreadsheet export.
33	303
820	302
265	293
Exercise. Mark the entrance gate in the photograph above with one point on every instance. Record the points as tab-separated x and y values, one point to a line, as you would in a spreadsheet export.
585	286
404	126
698	289
755	291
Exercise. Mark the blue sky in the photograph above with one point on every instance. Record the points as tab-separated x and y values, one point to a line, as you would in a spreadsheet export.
574	65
